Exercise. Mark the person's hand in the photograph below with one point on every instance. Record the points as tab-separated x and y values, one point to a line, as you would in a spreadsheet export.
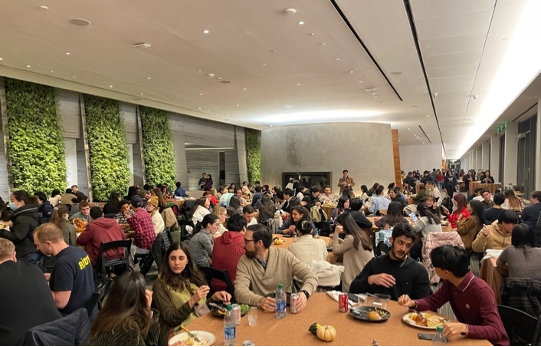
223	296
339	229
268	304
451	329
148	294
445	209
486	232
301	302
291	229
201	293
331	236
318	203
461	217
47	275
405	300
383	279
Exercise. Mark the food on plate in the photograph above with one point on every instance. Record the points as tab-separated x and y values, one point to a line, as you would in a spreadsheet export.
373	315
186	339
426	319
326	333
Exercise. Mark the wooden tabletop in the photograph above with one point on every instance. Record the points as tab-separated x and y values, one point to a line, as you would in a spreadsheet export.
293	330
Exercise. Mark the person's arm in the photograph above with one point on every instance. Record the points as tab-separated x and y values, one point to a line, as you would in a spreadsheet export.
207	244
422	285
61	284
360	283
502	261
381	222
341	248
301	271
61	298
243	294
434	301
464	226
480	242
162	301
352	182
18	231
419	225
86	236
491	327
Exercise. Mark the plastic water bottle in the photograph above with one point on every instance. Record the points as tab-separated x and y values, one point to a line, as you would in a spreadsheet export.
316	233
280	302
230	327
439	339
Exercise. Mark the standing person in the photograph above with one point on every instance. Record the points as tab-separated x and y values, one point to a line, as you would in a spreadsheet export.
440	179
450	183
202	241
470	177
471	299
228	249
202	181
26	299
126	318
180	291
356	248
394	273
141	224
72	278
25	219
345	181
263	268
487	178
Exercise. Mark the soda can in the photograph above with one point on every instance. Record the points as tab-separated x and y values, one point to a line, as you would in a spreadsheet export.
293	303
343	302
235	311
248	343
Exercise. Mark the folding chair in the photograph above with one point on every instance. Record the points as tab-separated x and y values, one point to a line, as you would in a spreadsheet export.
104	266
522	329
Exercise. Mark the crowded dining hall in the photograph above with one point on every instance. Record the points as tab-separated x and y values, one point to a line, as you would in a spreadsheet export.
313	172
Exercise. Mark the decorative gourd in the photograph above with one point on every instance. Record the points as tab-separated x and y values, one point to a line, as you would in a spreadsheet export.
313	328
326	333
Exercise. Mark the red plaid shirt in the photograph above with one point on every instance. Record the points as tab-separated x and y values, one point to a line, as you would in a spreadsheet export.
141	223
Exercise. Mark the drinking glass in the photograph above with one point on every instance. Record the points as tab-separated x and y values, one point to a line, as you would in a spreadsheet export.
252	317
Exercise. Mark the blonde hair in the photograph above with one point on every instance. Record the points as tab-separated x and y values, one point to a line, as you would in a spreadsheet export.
49	232
6	249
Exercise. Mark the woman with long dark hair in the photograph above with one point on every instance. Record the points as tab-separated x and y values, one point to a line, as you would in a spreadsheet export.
364	193
469	227
60	219
427	223
200	210
512	202
126	318
266	210
202	241
460	202
180	291
356	248
209	184
343	205
234	206
393	216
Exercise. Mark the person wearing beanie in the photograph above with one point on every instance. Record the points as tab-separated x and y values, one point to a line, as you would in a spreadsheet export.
157	219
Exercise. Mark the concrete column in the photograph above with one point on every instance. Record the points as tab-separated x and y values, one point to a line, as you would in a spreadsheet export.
485	153
479	158
538	148
495	158
511	149
179	145
240	145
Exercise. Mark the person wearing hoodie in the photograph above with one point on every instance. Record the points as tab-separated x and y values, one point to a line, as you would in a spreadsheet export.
22	224
98	231
228	249
44	207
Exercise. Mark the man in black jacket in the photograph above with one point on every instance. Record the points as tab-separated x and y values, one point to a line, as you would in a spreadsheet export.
395	273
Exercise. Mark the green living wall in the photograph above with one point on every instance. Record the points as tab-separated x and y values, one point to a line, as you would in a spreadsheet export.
36	142
253	154
158	148
109	162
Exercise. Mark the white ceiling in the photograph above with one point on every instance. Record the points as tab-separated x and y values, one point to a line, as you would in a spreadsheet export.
280	72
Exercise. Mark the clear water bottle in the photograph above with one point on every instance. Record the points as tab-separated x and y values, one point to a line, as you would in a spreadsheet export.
280	302
230	327
295	236
439	339
316	233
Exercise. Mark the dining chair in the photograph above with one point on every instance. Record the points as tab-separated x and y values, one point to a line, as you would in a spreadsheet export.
522	329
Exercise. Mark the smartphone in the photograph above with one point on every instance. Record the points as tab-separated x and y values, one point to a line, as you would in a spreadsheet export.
413	217
425	336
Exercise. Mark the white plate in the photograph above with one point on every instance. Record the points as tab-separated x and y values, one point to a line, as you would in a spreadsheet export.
207	339
406	318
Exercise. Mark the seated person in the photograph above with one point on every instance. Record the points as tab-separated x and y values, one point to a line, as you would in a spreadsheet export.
343	205
228	249
427	223
530	214
249	212
393	216
141	224
396	196
470	297
356	204
306	248
202	241
492	214
125	213
297	213
157	219
84	212
498	234
476	194
179	192
394	273
327	197
379	202
487	199
263	268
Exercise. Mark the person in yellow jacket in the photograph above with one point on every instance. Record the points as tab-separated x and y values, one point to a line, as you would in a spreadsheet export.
498	234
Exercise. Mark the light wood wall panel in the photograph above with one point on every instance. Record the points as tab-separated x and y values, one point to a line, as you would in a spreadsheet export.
396	158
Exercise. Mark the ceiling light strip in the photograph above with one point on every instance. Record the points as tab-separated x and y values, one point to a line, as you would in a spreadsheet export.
523	113
409	13
423	131
344	18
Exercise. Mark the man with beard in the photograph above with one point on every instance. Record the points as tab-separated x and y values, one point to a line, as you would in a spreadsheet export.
395	273
263	268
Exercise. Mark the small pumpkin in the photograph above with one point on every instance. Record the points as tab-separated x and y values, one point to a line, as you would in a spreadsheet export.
313	328
326	333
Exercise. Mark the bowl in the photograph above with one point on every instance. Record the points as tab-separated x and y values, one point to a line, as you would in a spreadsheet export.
377	300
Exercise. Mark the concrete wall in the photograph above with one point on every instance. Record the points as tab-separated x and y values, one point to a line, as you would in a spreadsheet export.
365	149
420	157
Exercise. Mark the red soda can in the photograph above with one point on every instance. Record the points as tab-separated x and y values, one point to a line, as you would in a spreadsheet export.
293	303
343	304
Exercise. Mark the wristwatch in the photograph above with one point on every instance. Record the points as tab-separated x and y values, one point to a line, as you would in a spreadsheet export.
305	293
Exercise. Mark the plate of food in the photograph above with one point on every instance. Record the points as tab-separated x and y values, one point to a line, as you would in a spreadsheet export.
219	310
424	320
194	338
370	314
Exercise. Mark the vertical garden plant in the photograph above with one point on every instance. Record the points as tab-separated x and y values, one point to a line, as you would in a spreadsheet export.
109	162
36	142
158	148
253	154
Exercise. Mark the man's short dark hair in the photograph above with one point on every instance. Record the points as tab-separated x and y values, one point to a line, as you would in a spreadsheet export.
499	198
96	212
477	190
178	184
451	258
261	233
536	195
314	189
355	204
258	189
248	209
288	191
508	216
280	195
41	196
345	171
379	190
403	229
236	223
483	191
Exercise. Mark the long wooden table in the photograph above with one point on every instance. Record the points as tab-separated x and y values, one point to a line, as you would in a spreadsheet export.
491	187
490	274
373	219
331	257
293	330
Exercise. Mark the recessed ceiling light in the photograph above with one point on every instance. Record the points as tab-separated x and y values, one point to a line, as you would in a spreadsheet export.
74	77
141	94
360	81
1	59
290	11
396	73
322	44
244	88
301	23
373	93
288	106
350	71
44	7
211	75
264	64
200	70
80	22
219	78
110	86
427	115
52	71
238	105
200	94
206	31
298	84
312	34
28	66
148	78
68	53
337	58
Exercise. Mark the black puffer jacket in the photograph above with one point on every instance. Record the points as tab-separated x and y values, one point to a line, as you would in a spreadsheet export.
25	220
